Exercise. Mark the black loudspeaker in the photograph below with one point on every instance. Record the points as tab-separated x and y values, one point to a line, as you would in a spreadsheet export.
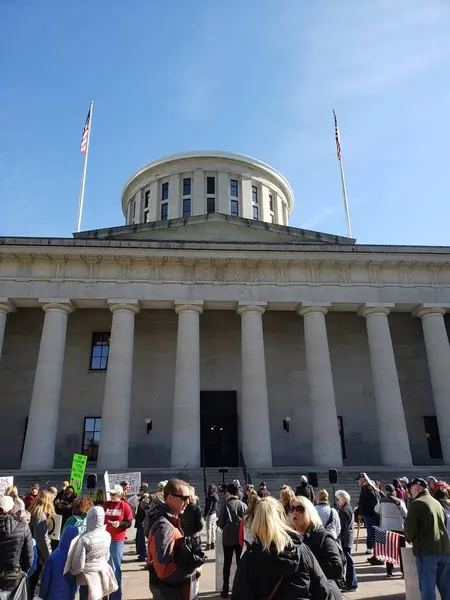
333	476
91	482
313	480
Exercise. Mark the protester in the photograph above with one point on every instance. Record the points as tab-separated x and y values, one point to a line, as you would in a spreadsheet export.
16	551
40	511
89	556
305	489
23	516
31	496
98	497
233	510
135	500
191	521
249	491
173	568
19	504
434	485
306	521
64	503
80	509
286	497
125	485
263	492
425	529
443	497
368	499
240	491
328	515
399	491
246	537
156	497
346	536
392	513
278	565
118	518
55	584
62	491
141	512
210	515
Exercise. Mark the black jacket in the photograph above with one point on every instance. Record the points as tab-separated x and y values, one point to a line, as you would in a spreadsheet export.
16	545
368	499
212	501
306	490
259	572
324	547
347	520
191	520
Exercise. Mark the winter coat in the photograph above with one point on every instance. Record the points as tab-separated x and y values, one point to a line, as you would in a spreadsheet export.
263	492
425	526
392	512
141	510
330	519
16	545
28	499
19	504
191	520
89	555
233	511
39	531
259	572
368	499
79	521
55	584
324	547
306	490
347	519
212	501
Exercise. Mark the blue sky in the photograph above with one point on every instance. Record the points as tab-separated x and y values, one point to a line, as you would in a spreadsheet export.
258	77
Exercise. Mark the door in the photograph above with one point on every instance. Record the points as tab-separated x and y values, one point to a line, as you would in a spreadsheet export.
219	429
433	438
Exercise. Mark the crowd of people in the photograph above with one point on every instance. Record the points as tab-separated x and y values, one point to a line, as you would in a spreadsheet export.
296	545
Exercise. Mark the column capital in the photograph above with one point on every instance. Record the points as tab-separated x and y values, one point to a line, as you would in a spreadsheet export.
259	307
129	305
429	310
188	306
6	306
311	308
62	304
375	308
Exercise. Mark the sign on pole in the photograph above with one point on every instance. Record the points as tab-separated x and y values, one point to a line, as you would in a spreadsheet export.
134	480
54	527
5	483
77	474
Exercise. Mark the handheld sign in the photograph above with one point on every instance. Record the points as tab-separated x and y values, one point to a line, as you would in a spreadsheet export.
77	474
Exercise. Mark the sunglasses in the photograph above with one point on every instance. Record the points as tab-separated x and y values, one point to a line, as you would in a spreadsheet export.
184	498
297	509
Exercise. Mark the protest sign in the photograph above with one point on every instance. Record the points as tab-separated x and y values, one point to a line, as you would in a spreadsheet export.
77	474
107	487
5	482
134	479
54	524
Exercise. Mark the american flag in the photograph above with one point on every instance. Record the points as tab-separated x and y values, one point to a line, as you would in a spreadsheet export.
386	546
336	134
84	137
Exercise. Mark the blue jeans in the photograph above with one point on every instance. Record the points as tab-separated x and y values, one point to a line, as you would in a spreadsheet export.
141	549
369	522
350	574
434	570
115	560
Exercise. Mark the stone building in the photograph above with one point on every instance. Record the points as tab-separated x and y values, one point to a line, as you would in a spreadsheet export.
196	331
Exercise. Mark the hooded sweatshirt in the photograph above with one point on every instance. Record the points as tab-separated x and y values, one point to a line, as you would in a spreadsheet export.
55	584
16	545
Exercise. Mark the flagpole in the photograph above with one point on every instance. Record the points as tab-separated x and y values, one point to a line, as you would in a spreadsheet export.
83	179
341	166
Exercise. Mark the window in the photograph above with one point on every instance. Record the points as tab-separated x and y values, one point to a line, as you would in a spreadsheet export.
234	208
210	185
134	209
164	211
433	437
91	437
255	213
99	351
341	436
210	205
147	199
234	188
187	186
187	207
271	202
146	217
254	194
165	191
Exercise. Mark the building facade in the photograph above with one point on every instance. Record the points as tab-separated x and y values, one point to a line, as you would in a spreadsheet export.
191	334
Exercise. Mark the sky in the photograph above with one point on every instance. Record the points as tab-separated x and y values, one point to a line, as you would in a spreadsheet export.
257	77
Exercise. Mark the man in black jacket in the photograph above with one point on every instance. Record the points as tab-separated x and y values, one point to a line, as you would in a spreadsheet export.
304	489
233	511
16	547
368	499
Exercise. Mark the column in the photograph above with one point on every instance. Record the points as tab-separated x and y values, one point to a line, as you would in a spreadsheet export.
223	193
5	308
114	438
175	208
246	207
392	431
326	446
198	193
39	449
438	355
255	425
186	403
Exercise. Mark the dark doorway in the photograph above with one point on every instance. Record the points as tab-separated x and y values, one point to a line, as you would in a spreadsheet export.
433	438
219	429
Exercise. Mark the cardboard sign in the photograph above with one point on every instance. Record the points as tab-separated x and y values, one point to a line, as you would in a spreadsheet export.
134	479
77	474
107	487
54	524
5	482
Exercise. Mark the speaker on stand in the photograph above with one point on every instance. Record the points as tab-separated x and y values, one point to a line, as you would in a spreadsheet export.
91	482
333	479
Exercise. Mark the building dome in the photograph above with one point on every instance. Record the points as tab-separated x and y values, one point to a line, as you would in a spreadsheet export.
196	183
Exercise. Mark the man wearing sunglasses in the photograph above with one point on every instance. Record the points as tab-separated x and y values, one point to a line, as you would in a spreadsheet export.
173	567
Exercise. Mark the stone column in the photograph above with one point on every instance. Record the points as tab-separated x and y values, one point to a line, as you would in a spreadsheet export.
255	424
326	447
392	431
5	308
438	354
186	403
114	438
39	449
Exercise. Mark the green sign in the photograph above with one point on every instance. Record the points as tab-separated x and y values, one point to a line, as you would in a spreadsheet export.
77	474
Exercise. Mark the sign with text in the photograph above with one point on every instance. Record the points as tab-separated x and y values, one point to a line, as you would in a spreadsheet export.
54	524
5	482
134	480
77	474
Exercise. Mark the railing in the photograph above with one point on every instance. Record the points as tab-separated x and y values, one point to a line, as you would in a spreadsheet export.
247	478
204	476
181	472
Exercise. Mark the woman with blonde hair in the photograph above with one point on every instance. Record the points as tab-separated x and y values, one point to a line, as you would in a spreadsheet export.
19	504
277	564
328	515
40	510
286	497
306	521
246	537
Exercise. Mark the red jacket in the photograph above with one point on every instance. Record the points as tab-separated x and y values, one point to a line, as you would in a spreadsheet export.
118	511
